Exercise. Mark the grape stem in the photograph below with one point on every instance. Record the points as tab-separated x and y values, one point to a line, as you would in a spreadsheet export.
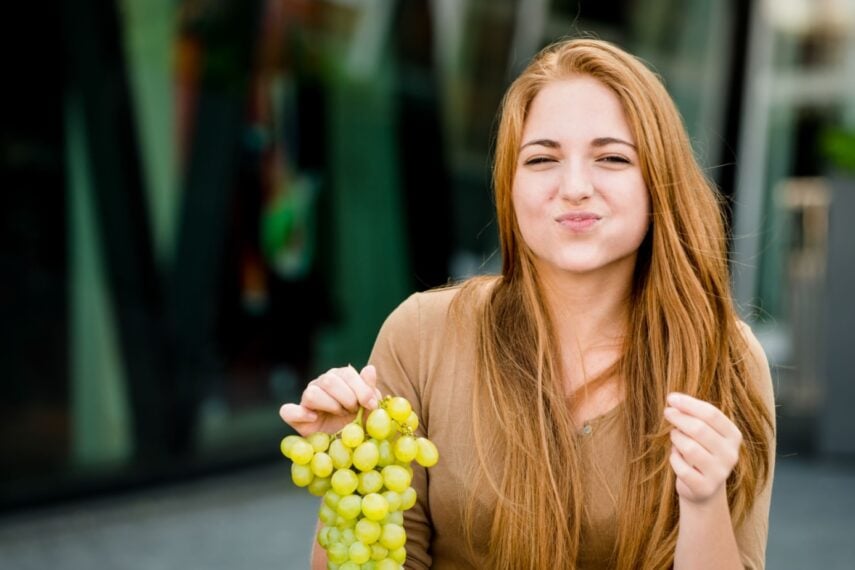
357	420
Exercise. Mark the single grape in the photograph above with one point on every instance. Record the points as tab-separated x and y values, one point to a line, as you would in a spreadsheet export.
399	555
319	486
352	435
350	565
378	551
412	422
427	455
334	535
395	477
399	409
348	537
370	565
367	531
395	518
393	536
319	440
331	499
359	552
394	500
344	481
340	454
327	515
302	452
322	464
387	456
406	448
301	474
324	536
369	482
349	507
338	553
365	456
387	564
379	425
375	507
287	442
408	498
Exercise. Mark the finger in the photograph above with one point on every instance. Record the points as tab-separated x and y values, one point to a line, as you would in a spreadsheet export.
297	414
363	391
690	476
369	374
317	399
693	453
698	430
704	411
334	383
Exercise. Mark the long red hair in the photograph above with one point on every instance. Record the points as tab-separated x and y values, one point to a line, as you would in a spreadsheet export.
683	335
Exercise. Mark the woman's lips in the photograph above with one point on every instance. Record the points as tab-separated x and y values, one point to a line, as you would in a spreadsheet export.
578	221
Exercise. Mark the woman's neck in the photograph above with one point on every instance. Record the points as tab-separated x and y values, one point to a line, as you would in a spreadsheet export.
588	310
589	314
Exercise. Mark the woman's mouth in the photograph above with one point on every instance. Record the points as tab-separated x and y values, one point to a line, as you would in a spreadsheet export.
578	221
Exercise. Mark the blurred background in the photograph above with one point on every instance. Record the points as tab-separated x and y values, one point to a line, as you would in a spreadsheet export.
205	203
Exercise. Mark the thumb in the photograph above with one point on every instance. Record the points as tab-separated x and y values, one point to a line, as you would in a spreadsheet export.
369	374
295	415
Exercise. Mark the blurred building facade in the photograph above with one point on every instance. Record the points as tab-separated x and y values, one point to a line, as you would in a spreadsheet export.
794	246
207	202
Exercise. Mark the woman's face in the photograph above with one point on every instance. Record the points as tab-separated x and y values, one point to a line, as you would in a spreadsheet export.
579	196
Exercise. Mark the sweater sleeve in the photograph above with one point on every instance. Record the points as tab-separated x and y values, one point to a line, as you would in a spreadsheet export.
396	355
752	534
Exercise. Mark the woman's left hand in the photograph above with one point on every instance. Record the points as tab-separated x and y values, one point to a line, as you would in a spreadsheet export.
705	447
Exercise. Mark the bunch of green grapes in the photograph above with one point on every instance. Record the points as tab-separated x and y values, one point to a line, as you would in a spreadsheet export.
363	474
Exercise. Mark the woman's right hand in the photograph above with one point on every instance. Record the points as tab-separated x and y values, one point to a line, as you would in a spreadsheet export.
332	400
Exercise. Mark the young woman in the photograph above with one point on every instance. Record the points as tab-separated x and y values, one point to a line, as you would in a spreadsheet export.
598	404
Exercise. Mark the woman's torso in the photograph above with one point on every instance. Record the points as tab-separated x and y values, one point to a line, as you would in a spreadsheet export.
446	368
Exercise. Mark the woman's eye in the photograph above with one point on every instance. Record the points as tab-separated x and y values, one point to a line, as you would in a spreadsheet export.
539	160
615	159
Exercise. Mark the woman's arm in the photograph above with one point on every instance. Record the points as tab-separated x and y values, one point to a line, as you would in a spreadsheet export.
704	452
705	442
705	538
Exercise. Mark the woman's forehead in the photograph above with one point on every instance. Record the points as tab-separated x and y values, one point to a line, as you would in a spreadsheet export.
578	107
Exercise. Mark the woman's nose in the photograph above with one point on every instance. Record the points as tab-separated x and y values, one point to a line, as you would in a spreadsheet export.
575	184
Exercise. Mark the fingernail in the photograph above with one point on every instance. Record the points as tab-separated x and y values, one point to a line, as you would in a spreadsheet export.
674	398
372	403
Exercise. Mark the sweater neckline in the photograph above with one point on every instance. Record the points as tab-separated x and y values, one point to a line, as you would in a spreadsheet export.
597	421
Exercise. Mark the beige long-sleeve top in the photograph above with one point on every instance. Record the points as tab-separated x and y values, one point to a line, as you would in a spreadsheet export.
428	356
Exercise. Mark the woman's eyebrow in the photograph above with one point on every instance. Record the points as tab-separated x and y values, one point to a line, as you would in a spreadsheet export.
549	143
603	141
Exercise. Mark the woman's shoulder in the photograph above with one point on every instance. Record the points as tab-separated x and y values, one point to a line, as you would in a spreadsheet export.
757	362
429	327
755	350
435	306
